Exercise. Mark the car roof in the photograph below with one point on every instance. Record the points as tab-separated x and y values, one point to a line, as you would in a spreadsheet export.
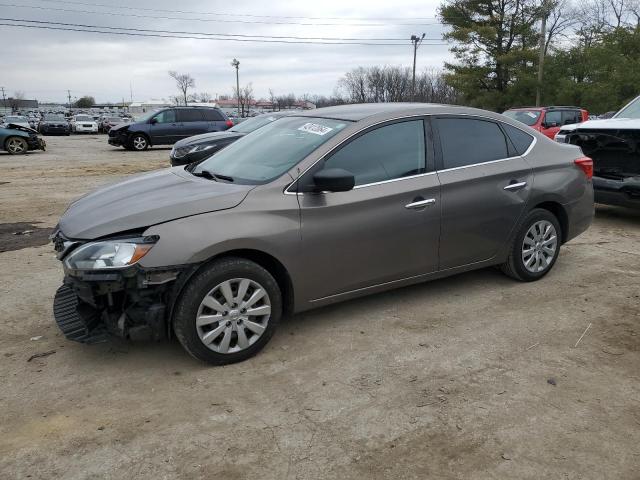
361	111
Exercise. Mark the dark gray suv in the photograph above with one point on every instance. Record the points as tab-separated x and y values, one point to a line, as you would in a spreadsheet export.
167	126
312	209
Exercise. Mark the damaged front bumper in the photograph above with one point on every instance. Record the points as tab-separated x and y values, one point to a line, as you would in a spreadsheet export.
132	303
623	192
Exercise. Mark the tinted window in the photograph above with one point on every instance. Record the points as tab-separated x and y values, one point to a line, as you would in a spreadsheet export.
190	115
211	115
553	117
528	117
167	116
388	152
520	139
571	116
467	141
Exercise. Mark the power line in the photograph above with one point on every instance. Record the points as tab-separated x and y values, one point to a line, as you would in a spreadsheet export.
218	20
224	14
133	34
211	34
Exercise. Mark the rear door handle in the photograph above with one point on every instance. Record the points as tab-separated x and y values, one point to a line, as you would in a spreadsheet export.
512	187
418	204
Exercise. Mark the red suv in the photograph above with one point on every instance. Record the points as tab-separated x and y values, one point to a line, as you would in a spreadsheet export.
548	120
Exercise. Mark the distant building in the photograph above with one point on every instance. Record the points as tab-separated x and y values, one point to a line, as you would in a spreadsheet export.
138	108
13	104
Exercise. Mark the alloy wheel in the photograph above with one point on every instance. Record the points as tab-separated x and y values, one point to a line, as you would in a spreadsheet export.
139	143
539	246
233	315
16	146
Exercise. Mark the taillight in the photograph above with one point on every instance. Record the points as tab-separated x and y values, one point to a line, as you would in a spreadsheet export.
586	165
229	123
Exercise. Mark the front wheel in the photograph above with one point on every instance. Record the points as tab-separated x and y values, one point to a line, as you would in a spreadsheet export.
535	248
228	312
16	146
139	142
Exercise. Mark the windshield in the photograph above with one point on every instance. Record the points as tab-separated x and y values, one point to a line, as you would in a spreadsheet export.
253	123
146	117
57	118
528	117
114	119
15	119
84	118
632	110
272	150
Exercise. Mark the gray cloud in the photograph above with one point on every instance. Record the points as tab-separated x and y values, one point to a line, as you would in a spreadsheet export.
50	62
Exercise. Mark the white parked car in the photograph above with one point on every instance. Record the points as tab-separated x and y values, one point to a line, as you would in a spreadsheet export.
84	124
16	120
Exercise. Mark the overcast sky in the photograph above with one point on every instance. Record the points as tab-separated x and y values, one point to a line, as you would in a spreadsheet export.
48	62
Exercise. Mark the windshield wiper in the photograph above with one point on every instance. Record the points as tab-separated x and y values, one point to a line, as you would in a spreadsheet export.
212	176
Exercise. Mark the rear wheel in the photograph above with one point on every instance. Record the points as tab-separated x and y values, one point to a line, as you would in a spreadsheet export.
535	248
16	145
138	142
228	312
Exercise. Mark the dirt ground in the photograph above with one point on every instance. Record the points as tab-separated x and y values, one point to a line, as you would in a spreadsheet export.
471	377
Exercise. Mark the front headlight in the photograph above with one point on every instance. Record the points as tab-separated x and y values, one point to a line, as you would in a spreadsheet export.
109	254
200	148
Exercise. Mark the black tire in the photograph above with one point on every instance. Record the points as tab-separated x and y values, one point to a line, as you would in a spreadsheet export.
16	146
515	267
186	310
138	142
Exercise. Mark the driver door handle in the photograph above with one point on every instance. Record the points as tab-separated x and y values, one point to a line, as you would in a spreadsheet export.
512	187
418	204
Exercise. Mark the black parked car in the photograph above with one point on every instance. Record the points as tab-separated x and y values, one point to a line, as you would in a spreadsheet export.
54	123
197	148
167	126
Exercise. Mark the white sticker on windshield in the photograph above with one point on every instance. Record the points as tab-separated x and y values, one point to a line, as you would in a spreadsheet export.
531	114
315	128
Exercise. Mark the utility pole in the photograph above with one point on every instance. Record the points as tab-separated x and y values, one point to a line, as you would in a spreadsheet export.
416	41
546	6
69	97
235	63
4	100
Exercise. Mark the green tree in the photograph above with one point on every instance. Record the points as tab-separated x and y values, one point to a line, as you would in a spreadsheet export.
495	45
85	102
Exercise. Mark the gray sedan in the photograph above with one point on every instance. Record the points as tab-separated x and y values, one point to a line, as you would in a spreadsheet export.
312	209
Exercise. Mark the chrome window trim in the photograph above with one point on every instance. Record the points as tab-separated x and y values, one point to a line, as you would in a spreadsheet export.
421	115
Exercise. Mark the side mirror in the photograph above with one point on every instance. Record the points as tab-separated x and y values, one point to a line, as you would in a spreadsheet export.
333	180
153	121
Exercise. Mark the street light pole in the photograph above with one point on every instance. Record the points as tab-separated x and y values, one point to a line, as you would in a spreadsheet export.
543	38
235	63
416	42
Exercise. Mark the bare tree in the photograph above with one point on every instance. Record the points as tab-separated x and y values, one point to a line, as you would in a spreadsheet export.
273	100
16	100
202	97
563	17
184	82
245	97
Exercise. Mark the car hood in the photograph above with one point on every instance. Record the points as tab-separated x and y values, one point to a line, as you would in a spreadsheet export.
208	138
22	127
120	126
146	200
605	124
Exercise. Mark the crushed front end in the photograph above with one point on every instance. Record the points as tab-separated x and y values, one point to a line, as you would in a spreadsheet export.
616	162
101	300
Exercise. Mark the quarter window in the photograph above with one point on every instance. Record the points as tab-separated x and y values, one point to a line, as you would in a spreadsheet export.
520	139
386	153
212	115
552	118
167	116
466	141
570	117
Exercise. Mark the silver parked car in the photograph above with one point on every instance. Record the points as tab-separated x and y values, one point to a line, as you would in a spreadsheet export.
313	209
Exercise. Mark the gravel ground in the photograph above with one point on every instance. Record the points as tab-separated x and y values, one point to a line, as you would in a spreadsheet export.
471	377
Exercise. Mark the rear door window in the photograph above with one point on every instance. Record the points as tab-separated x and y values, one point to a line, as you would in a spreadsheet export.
468	141
570	117
386	153
190	115
521	140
